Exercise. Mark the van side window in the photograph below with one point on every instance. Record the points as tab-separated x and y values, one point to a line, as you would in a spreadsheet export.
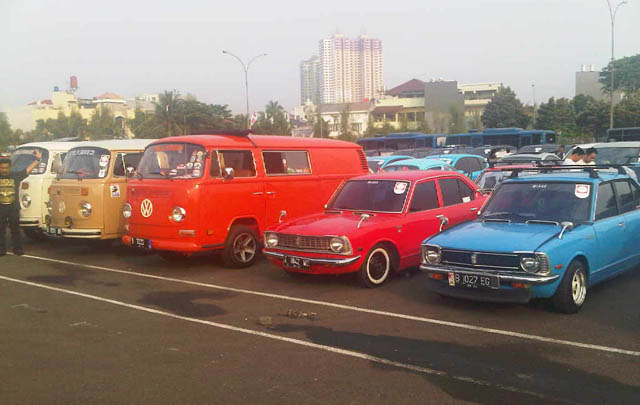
214	170
287	162
241	161
118	168
58	160
124	161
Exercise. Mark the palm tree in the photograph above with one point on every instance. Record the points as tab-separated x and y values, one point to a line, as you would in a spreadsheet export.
168	110
273	109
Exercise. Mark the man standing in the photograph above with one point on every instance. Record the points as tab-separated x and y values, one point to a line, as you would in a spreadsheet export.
589	157
575	158
9	204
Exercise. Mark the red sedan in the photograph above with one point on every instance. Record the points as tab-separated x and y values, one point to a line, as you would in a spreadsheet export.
374	224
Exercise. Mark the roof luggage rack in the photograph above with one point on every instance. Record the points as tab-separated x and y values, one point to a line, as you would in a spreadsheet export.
589	169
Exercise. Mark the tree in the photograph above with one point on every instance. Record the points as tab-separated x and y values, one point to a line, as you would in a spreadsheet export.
168	109
457	120
6	134
626	77
103	125
592	117
272	120
627	112
346	134
505	110
320	127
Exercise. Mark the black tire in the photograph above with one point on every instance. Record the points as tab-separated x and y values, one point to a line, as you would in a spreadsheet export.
572	291
377	266
35	234
171	256
242	247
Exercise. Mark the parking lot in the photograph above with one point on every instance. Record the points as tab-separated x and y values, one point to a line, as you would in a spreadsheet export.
103	323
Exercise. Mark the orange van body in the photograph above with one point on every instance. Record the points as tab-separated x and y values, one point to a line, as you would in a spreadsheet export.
229	211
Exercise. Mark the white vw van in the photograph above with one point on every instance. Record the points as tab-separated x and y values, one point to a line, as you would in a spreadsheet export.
34	189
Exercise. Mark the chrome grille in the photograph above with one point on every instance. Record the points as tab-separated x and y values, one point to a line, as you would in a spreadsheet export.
320	243
470	259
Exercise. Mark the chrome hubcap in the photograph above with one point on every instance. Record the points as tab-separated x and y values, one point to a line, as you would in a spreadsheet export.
578	287
378	266
244	247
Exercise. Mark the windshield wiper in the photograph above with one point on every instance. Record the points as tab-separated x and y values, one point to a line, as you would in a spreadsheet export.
541	221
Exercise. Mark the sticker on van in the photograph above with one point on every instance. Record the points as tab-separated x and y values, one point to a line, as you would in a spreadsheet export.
104	160
115	190
102	173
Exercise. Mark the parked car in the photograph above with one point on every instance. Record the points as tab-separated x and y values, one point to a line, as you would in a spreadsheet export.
373	225
550	235
33	190
418	164
547	158
378	163
492	176
87	196
620	153
542	148
220	192
418	152
470	165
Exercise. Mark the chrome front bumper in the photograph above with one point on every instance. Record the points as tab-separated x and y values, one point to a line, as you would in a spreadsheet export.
316	260
508	276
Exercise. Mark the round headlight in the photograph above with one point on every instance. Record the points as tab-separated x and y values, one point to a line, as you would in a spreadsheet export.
126	210
26	201
271	240
530	264
336	245
432	255
85	209
178	214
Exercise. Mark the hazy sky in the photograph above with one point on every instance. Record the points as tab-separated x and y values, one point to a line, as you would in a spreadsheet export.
131	47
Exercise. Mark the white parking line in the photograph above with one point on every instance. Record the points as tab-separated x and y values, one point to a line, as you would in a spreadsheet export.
332	349
357	309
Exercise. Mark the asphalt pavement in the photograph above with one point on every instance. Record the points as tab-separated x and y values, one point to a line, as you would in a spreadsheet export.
98	322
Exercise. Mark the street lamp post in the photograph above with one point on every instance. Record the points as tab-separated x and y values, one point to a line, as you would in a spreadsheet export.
246	67
612	14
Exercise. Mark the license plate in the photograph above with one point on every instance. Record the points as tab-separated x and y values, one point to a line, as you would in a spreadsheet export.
473	280
54	231
296	262
141	243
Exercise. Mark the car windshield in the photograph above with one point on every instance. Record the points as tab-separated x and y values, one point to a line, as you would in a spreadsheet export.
373	165
490	179
21	158
618	156
172	160
539	201
371	195
86	163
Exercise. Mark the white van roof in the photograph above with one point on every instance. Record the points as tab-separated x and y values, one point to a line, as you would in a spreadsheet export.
118	144
51	145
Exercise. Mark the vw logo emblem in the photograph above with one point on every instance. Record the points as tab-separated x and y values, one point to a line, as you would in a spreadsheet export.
474	258
61	207
146	208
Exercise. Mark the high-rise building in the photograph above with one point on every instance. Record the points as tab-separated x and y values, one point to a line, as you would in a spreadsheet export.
351	69
310	81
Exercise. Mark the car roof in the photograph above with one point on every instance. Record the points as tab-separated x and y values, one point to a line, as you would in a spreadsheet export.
117	144
385	158
529	155
422	163
570	177
52	145
508	167
407	175
263	141
455	156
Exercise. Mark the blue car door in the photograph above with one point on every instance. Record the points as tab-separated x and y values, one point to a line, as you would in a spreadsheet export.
610	232
628	194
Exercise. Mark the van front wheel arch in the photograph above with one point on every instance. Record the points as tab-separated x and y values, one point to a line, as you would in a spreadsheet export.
242	247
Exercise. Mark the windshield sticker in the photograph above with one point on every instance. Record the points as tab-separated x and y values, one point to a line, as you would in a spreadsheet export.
173	172
104	160
24	151
189	166
466	199
115	191
582	190
197	165
82	152
193	158
196	173
400	188
102	172
372	182
539	185
180	167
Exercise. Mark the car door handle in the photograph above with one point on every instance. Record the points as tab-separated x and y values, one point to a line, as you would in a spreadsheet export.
257	193
473	209
270	193
621	224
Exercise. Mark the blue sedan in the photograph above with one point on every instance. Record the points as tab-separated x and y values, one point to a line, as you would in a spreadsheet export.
470	165
377	163
551	235
418	164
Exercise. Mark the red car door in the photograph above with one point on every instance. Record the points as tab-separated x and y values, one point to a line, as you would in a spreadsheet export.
460	201
420	221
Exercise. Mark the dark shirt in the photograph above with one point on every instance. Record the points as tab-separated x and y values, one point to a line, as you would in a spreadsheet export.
9	188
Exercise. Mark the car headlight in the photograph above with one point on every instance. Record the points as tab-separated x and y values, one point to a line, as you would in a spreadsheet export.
85	209
337	245
271	240
530	264
26	201
431	254
127	210
178	214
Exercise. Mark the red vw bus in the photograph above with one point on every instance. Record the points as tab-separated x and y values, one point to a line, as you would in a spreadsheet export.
220	192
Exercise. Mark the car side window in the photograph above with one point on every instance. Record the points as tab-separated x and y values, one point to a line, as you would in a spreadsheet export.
241	161
636	193
462	164
425	197
454	192
626	200
606	205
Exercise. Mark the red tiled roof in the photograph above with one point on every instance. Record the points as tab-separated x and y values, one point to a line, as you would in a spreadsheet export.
412	86
111	96
387	109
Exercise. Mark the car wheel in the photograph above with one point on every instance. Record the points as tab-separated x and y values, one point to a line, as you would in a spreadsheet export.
171	256
34	234
572	291
242	247
376	266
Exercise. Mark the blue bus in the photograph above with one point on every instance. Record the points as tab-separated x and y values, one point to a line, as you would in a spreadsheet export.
622	134
517	137
403	140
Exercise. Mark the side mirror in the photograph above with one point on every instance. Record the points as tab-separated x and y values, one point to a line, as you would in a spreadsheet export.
566	226
229	174
444	221
283	215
